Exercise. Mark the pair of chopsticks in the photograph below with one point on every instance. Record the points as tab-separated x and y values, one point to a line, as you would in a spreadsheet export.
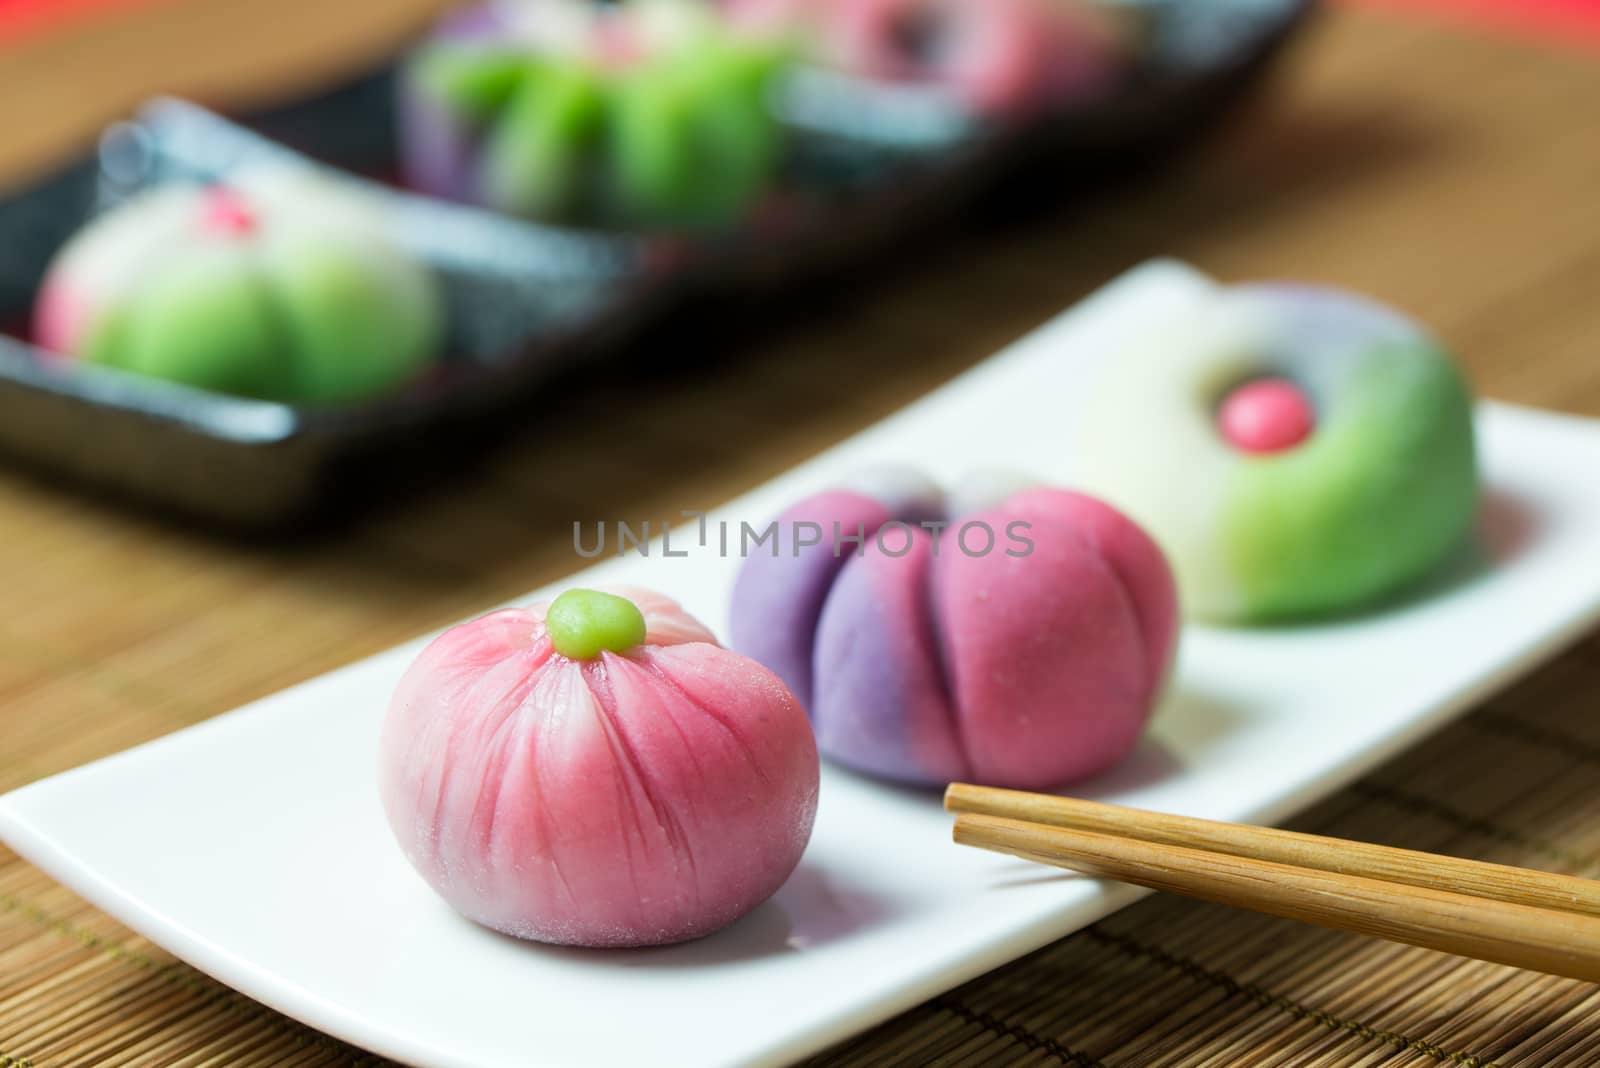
1527	919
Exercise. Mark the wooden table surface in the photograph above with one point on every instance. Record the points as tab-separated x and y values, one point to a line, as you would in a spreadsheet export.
1452	174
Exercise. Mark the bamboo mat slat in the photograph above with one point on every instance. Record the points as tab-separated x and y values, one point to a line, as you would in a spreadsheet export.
1454	174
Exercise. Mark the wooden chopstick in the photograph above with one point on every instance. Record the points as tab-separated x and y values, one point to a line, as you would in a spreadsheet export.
1545	940
1556	941
1497	882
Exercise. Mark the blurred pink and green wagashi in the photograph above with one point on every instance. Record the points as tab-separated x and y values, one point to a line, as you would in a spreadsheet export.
278	286
999	59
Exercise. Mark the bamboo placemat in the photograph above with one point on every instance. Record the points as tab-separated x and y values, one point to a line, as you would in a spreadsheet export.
1451	173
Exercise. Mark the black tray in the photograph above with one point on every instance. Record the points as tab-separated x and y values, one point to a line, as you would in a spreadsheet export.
526	301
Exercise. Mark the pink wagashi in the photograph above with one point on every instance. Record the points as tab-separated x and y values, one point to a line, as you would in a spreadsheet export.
597	771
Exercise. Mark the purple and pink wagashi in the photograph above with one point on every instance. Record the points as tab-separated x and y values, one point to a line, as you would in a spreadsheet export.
1018	638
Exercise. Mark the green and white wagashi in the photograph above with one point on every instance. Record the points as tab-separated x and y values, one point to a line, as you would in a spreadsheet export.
1296	450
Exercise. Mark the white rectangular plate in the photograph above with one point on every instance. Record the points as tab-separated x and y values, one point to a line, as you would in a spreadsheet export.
253	846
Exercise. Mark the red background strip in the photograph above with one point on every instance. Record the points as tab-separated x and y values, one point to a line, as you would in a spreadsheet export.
1574	21
21	19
